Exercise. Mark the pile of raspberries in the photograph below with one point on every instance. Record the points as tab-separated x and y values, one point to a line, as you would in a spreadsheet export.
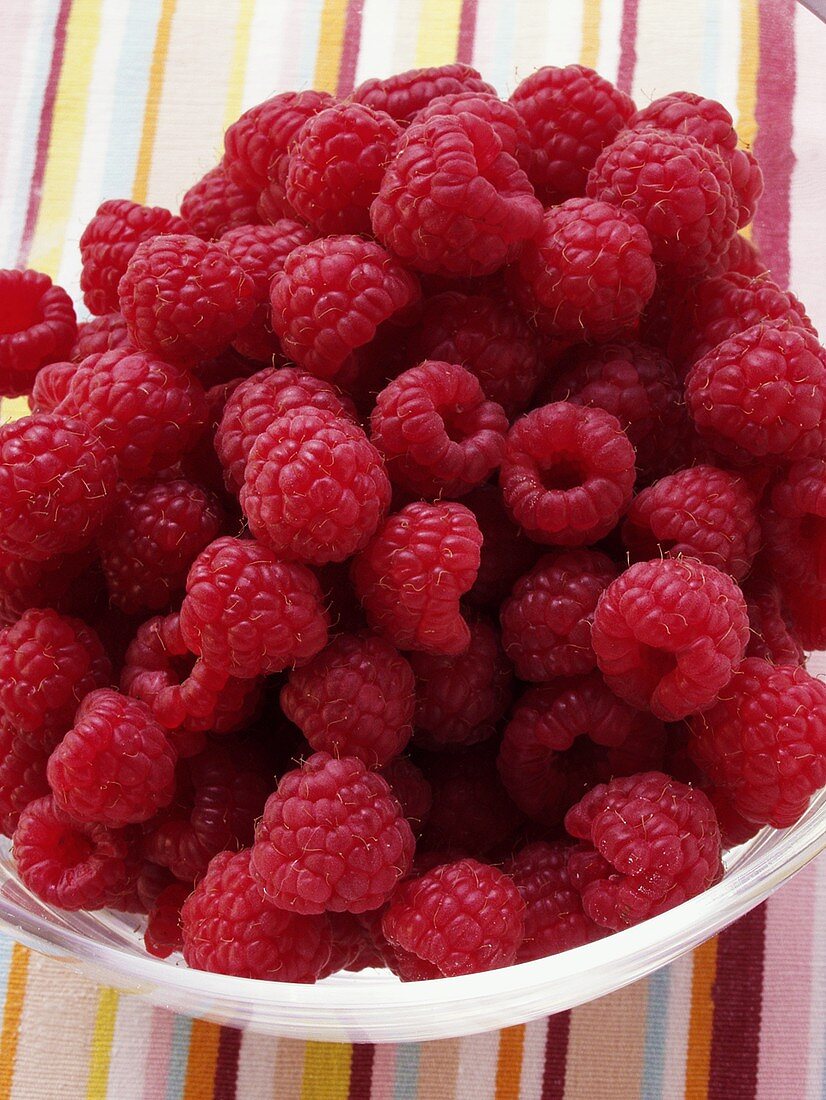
411	562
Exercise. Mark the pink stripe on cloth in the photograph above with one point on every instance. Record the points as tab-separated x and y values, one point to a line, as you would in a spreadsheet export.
160	1043
384	1072
628	46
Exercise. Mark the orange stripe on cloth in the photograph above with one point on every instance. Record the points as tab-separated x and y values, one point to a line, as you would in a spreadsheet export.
330	44
203	1059
509	1067
157	74
101	1054
438	32
701	1027
12	1013
326	1071
591	16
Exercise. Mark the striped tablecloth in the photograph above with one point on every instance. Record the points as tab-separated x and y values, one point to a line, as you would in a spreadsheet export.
113	98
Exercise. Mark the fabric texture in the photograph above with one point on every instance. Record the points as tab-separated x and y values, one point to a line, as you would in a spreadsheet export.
128	98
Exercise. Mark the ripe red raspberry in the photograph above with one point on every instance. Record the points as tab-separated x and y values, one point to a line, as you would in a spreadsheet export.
412	575
568	473
634	383
57	482
230	927
566	736
734	829
794	525
262	399
248	614
807	615
59	582
507	552
452	201
488	337
571	114
331	296
680	191
48	663
743	257
108	243
148	412
716	309
510	127
116	765
37	326
68	864
668	634
460	918
587	273
261	251
702	513
336	166
437	433
315	488
459	700
761	395
554	918
353	947
215	204
764	743
185	299
356	698
656	843
155	533
404	94
99	335
546	621
163	933
22	777
50	386
772	636
332	838
186	696
410	789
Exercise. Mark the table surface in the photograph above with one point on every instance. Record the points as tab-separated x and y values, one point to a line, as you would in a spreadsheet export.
113	98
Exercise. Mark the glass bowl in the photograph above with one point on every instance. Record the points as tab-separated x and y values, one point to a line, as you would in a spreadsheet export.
700	47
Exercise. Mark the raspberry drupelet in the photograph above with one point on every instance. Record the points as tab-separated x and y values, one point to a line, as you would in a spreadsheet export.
669	634
510	127
332	838
331	296
764	743
437	433
248	614
215	204
230	927
57	485
356	698
98	335
567	474
37	326
652	843
50	386
452	201
403	95
546	620
163	933
22	777
412	575
315	488
794	525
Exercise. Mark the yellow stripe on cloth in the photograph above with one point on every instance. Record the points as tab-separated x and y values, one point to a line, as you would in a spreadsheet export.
591	17
12	1014
330	42
238	65
326	1071
153	101
747	78
101	1054
438	32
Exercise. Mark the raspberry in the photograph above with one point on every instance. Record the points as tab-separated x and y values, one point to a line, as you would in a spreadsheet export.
807	616
634	383
764	743
163	933
734	829
68	864
108	243
510	127
48	663
437	433
680	191
57	482
564	737
460	699
50	583
155	533
794	525
410	789
587	273
147	412
248	614
460	918
353	947
771	633
404	94
116	765
356	698
413	573
50	386
452	201
742	257
716	309
315	487
22	777
669	634
554	918
761	395
331	296
571	114
332	838
230	927
702	513
337	164
216	204
507	552
37	326
546	621
655	841
567	474
98	335
489	338
185	299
